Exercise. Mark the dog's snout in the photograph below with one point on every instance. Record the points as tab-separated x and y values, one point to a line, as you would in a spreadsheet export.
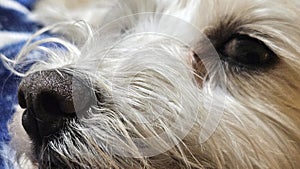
47	98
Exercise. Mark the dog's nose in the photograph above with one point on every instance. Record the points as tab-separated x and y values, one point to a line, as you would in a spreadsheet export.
47	98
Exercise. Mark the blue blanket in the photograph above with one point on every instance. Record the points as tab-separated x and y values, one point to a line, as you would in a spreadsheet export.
15	28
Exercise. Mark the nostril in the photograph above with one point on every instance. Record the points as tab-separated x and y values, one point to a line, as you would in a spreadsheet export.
49	103
21	99
54	103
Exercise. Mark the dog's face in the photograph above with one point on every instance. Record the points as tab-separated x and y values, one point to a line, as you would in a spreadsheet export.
195	84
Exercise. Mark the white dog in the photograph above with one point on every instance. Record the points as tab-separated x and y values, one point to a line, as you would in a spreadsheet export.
163	84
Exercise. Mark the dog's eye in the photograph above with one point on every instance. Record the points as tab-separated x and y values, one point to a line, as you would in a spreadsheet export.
248	52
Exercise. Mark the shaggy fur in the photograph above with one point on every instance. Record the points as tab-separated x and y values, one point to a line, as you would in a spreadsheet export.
167	99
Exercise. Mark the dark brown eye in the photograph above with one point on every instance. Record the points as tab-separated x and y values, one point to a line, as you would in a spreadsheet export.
248	52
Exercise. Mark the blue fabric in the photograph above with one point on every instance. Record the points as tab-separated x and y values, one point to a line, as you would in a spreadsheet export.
8	89
27	3
8	99
12	21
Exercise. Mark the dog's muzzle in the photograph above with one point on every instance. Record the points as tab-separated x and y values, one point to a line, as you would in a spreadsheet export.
47	98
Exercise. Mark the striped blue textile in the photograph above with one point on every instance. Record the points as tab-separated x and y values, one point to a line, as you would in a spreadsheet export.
16	26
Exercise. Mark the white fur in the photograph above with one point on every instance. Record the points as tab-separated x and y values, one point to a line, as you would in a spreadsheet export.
143	75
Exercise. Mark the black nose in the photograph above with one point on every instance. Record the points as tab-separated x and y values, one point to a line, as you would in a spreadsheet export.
47	98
